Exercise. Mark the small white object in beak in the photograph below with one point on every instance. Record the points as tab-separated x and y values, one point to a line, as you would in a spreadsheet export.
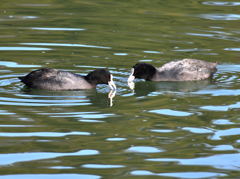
111	83
131	85
131	77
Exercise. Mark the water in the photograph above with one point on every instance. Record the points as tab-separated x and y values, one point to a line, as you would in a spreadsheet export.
165	129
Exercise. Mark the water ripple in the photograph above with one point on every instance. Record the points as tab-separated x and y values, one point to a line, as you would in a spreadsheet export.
120	54
66	45
221	107
170	112
24	49
178	174
17	65
85	115
215	134
42	134
144	149
221	161
221	3
229	17
61	167
225	133
116	139
102	166
232	49
50	176
219	92
57	29
37	102
152	52
222	122
7	159
162	130
6	125
223	148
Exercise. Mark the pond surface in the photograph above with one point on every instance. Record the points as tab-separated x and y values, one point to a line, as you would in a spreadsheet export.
158	130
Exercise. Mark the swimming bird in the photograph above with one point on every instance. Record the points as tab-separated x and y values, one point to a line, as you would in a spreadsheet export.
182	70
53	79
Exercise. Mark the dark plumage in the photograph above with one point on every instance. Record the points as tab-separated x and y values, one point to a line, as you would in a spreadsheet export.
53	79
182	70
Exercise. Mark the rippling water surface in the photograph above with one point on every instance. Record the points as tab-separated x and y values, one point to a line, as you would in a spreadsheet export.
165	129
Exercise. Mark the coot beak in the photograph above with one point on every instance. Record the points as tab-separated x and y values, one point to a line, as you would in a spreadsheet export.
111	83
131	77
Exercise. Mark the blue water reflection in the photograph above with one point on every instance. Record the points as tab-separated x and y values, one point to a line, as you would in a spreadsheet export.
221	3
178	174
57	29
42	134
24	49
221	161
171	112
102	166
16	65
144	149
51	176
7	159
65	45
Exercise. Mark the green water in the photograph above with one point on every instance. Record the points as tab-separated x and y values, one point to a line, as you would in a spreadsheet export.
159	130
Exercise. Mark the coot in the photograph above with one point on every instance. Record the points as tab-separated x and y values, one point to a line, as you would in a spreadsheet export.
53	79
182	70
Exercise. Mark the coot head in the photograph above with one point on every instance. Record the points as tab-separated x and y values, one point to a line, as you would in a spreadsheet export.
101	76
143	71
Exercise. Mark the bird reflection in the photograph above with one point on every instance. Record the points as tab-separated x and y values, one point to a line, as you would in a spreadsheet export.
87	97
144	88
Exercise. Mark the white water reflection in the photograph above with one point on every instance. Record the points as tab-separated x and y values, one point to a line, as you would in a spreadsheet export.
42	102
102	166
50	176
24	49
42	134
153	52
222	122
121	54
223	148
221	3
221	107
198	130
16	65
65	45
61	167
178	174
5	112
17	17
201	34
85	115
116	139
229	17
171	112
162	130
9	158
225	133
233	49
35	5
221	161
8	125
57	29
144	149
214	134
219	92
